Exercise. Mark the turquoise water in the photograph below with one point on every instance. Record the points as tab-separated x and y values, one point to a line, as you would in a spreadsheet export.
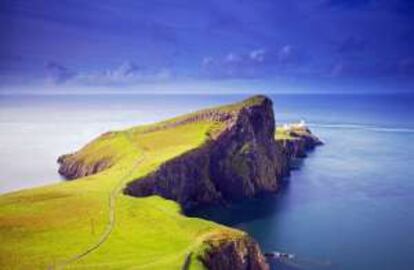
346	206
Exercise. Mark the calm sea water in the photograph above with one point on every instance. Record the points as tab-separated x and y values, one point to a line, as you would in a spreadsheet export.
347	206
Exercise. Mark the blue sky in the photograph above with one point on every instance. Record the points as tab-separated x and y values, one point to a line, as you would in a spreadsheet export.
207	46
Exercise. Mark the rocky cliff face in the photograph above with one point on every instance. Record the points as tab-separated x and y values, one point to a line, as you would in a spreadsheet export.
240	254
72	168
243	161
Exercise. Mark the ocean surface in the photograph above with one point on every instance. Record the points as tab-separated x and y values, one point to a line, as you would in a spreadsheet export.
347	206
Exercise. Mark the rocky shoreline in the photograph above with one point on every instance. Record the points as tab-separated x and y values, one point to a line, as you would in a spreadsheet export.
247	158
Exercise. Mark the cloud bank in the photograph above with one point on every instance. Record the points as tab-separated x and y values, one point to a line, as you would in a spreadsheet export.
126	73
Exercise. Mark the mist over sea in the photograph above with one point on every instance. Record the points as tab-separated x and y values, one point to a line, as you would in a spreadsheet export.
346	206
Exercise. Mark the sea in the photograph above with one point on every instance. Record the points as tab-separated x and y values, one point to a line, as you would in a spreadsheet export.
347	206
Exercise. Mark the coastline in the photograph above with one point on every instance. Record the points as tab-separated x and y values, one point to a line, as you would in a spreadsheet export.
108	140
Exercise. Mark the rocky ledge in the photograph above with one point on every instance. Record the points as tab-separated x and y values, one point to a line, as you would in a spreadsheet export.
72	168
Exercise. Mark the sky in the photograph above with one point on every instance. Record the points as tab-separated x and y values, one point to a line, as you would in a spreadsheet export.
209	46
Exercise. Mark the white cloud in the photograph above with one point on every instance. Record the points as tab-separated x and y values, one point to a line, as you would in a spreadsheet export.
58	73
256	63
207	61
285	52
127	73
232	58
257	55
127	69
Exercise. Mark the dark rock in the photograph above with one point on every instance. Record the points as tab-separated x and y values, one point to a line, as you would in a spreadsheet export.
72	168
240	254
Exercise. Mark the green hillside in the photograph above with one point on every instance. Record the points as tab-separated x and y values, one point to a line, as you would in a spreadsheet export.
90	224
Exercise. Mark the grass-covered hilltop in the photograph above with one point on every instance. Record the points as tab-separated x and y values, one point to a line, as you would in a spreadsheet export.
124	210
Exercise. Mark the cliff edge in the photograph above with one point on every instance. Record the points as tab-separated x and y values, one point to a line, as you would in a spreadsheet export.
241	161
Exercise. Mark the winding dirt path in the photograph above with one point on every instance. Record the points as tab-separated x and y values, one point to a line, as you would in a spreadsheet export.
112	220
111	212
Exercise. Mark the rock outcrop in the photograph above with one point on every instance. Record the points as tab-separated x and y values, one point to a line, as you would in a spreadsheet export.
243	161
72	168
296	140
240	254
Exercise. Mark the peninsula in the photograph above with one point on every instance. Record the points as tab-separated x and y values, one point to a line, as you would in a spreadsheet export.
123	206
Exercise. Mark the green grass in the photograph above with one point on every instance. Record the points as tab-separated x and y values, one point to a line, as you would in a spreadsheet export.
283	134
47	226
288	132
292	132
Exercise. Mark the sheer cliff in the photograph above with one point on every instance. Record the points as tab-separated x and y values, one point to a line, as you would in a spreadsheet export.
242	161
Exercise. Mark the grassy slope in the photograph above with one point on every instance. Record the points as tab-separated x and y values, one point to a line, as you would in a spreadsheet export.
48	226
285	132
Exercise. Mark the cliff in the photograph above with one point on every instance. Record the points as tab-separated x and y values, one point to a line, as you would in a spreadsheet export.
217	155
241	254
241	161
